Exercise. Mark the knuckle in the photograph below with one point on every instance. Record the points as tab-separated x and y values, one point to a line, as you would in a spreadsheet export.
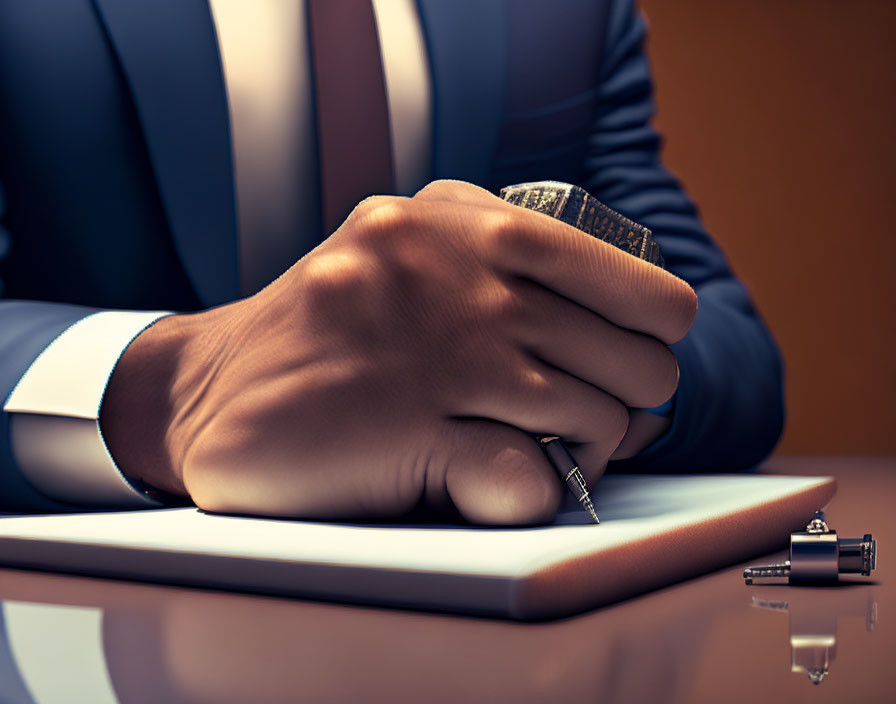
521	384
503	233
513	235
378	219
506	310
336	277
537	390
370	204
362	211
439	189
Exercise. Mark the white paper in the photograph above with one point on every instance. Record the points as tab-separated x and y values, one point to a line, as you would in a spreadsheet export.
630	507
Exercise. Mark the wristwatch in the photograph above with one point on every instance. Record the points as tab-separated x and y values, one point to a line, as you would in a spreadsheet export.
575	206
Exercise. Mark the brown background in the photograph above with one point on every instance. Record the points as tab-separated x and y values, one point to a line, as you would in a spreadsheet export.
779	119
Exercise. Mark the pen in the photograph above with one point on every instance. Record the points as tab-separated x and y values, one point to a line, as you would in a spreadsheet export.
566	466
575	206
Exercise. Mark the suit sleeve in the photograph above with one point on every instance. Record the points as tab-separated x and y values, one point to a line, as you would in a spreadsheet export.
55	361
729	408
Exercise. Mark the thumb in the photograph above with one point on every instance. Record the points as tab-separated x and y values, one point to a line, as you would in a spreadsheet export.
499	475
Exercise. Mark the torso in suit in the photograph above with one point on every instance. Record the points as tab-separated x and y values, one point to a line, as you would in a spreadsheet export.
118	181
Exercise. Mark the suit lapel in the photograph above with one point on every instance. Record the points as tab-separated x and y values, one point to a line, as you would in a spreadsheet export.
168	51
467	44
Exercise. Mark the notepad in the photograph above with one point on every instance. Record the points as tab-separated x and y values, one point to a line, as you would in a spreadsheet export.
655	530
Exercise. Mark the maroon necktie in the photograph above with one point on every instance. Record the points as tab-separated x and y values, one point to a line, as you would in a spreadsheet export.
354	146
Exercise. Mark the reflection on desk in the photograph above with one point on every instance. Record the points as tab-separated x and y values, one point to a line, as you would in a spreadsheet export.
698	641
813	622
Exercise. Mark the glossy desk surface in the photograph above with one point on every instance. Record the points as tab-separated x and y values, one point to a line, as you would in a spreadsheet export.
710	639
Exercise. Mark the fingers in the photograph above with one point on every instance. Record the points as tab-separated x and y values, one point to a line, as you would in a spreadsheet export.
635	368
499	475
539	399
623	289
643	429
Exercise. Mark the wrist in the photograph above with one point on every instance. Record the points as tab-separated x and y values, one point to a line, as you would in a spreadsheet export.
138	407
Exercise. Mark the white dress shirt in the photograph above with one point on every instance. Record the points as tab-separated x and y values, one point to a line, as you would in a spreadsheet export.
55	407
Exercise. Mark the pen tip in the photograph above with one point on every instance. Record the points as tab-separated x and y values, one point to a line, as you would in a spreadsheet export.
590	508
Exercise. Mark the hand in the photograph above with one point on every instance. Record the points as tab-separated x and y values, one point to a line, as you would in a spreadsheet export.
407	359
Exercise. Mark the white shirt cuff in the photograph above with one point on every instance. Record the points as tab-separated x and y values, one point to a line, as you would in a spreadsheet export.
55	407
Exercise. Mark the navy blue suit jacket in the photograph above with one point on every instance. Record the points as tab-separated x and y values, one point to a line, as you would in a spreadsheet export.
116	181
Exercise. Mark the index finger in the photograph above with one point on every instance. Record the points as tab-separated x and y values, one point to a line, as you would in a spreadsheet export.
625	290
